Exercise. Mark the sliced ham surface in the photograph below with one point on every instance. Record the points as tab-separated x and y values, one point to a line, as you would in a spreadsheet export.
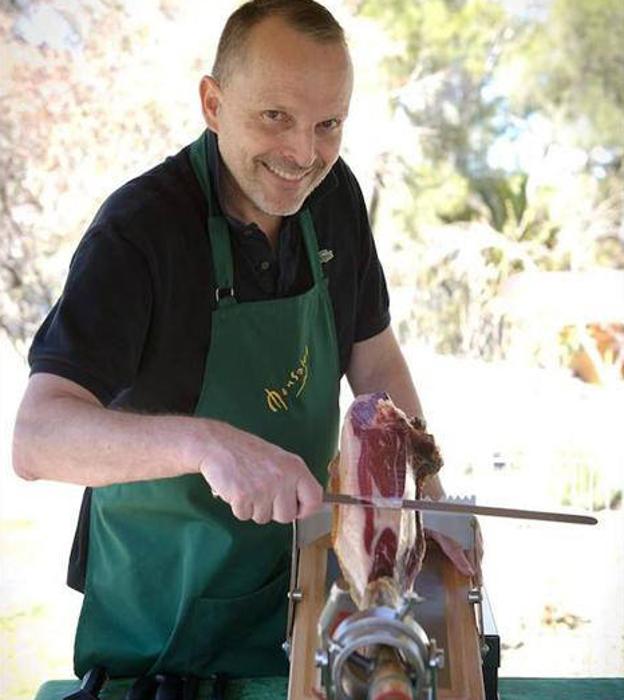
382	454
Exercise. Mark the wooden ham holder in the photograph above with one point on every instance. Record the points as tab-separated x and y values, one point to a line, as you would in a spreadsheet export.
446	616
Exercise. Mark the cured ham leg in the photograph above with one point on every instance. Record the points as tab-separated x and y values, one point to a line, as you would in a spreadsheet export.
382	454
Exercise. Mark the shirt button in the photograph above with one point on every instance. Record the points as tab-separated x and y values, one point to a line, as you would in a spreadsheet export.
265	265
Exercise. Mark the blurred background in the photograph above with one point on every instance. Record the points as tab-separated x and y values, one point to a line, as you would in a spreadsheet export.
488	137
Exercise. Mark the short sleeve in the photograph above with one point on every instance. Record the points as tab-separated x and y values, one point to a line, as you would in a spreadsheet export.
95	333
373	313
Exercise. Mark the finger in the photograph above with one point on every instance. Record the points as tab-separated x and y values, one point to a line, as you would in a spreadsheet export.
285	507
478	574
453	551
262	513
309	496
243	510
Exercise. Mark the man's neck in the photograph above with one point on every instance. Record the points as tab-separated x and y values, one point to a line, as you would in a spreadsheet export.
233	205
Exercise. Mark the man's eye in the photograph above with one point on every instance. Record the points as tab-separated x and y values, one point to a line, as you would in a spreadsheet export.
274	115
330	124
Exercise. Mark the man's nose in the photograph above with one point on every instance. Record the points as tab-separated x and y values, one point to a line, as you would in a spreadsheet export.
301	146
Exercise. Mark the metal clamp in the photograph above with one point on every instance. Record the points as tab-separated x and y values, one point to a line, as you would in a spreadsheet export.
475	598
223	292
346	668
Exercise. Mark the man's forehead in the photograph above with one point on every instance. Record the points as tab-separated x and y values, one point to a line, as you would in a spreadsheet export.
274	41
281	64
290	89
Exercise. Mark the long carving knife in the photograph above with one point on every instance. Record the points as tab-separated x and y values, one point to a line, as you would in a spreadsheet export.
450	506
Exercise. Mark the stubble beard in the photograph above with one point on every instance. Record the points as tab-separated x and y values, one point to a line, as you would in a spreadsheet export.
262	201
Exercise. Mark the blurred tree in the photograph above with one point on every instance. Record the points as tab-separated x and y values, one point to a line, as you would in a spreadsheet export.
446	53
92	94
571	68
468	77
95	92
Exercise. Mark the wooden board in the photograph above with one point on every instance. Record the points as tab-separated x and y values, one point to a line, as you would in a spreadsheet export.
445	615
304	676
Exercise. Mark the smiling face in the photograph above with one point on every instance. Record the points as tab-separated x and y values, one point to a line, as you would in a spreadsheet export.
278	116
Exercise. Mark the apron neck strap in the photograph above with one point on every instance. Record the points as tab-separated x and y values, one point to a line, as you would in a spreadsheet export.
217	225
199	162
311	244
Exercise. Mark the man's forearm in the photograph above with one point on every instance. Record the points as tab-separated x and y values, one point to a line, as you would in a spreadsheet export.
378	365
392	376
69	436
63	433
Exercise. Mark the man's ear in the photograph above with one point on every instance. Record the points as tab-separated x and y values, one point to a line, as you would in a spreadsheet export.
210	95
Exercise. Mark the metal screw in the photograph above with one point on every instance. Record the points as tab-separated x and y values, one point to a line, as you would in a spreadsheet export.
436	655
296	595
438	659
474	596
335	646
321	658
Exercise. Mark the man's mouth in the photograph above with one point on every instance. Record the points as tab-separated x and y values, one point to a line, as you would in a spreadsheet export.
286	174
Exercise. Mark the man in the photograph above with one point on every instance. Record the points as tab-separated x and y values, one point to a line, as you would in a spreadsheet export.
189	373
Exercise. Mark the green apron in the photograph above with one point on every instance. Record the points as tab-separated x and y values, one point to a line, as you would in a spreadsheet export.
175	583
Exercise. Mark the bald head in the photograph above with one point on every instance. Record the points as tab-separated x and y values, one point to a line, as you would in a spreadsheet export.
305	16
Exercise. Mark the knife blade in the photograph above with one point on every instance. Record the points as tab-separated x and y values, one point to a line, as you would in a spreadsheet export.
457	507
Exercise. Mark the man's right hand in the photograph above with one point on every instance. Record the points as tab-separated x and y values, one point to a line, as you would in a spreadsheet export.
260	481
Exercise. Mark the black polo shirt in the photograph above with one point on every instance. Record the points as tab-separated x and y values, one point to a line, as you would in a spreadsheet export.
133	323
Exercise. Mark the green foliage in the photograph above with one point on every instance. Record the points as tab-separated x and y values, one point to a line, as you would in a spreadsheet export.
445	54
441	193
432	34
462	76
504	197
467	75
571	67
93	94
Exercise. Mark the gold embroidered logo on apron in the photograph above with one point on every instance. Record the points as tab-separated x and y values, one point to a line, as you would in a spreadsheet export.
277	399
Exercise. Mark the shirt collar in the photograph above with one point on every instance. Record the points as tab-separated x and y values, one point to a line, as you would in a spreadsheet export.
216	167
